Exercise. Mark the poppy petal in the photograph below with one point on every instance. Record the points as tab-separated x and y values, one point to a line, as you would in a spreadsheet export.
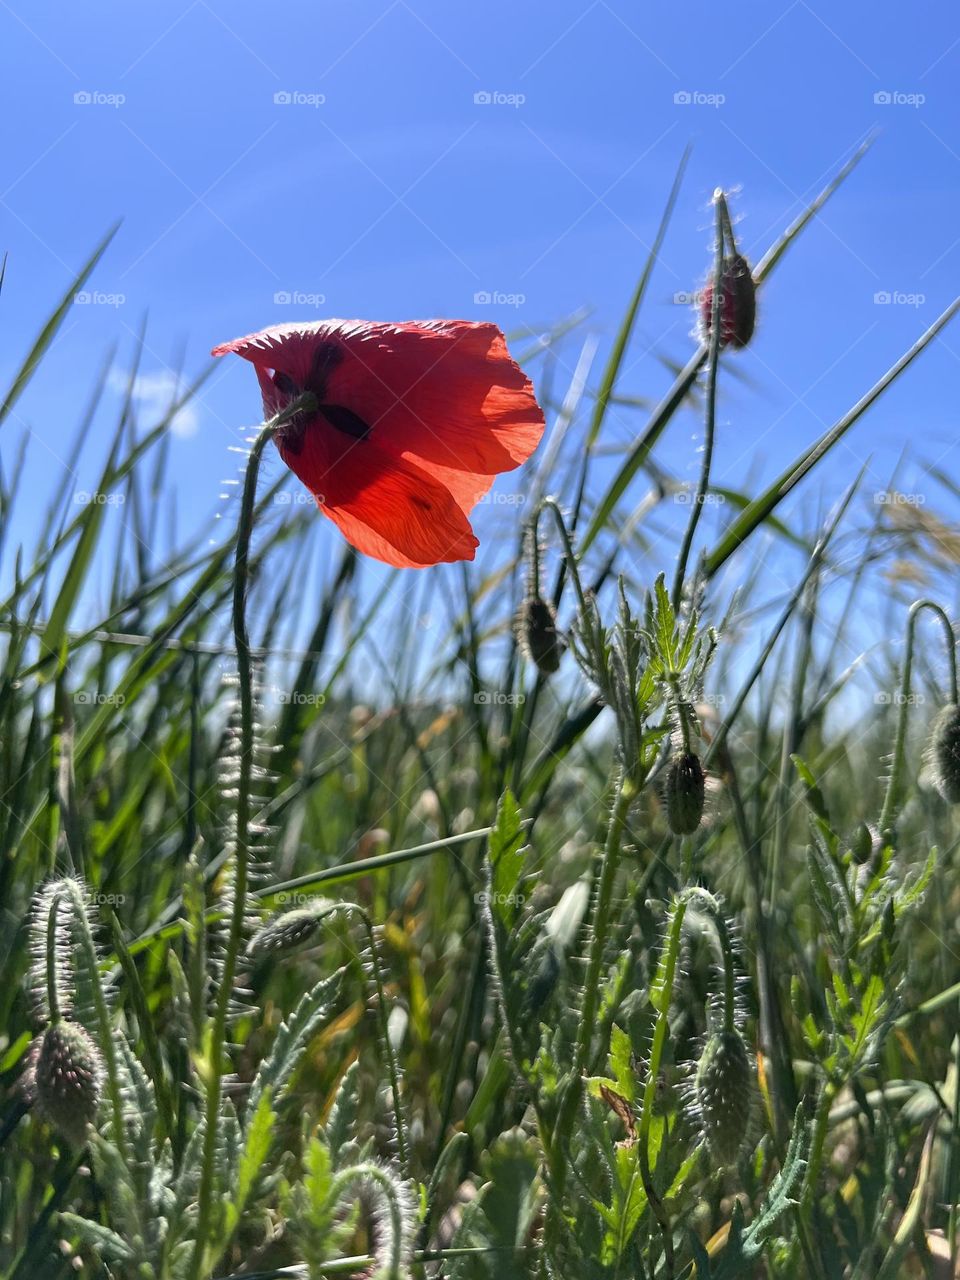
415	422
287	348
445	392
386	507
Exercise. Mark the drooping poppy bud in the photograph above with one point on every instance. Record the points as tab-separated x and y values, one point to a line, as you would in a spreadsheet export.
67	1080
544	972
945	753
539	635
723	1090
287	931
738	304
684	794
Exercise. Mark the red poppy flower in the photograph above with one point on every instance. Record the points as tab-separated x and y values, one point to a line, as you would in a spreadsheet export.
413	423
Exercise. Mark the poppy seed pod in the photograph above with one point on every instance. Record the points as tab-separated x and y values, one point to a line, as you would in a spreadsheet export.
945	753
724	1094
738	304
539	636
684	794
67	1080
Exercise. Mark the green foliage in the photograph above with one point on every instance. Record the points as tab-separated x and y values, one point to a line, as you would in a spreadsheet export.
483	1049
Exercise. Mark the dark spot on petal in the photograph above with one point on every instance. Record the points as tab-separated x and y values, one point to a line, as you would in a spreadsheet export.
326	357
423	503
283	382
345	420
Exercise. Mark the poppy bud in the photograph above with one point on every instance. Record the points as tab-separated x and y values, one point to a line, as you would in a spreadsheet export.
724	1094
544	975
539	636
67	1080
286	931
945	753
684	795
738	304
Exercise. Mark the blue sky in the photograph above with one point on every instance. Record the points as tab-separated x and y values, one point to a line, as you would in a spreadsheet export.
341	153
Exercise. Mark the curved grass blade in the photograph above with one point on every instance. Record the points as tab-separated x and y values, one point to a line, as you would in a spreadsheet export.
49	330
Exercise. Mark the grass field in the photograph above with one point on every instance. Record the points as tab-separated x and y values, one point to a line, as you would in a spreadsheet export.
577	918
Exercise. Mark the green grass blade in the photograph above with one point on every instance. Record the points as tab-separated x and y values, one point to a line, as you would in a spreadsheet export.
762	507
49	330
612	369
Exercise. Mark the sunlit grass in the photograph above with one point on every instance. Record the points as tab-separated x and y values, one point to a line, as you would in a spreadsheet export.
616	951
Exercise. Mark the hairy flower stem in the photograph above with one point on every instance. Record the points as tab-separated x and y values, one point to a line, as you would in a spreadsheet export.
53	983
661	996
625	793
393	1260
569	562
550	504
821	1124
891	802
218	1028
713	368
683	713
729	973
393	1067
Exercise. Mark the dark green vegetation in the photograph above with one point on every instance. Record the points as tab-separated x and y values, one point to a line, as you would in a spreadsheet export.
592	944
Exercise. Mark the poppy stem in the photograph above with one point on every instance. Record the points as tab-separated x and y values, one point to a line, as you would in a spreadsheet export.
572	1095
891	802
53	969
550	504
711	415
306	402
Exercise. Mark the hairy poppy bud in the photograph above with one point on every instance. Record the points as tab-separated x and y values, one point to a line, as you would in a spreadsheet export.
539	636
544	972
724	1094
738	304
286	931
684	795
27	1083
945	753
67	1080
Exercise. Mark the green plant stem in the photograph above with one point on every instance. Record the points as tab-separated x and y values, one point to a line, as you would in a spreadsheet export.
393	1067
891	801
773	1037
53	984
625	793
569	561
729	973
821	1125
661	997
683	714
360	1264
391	1268
550	504
950	1176
711	408
218	1029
